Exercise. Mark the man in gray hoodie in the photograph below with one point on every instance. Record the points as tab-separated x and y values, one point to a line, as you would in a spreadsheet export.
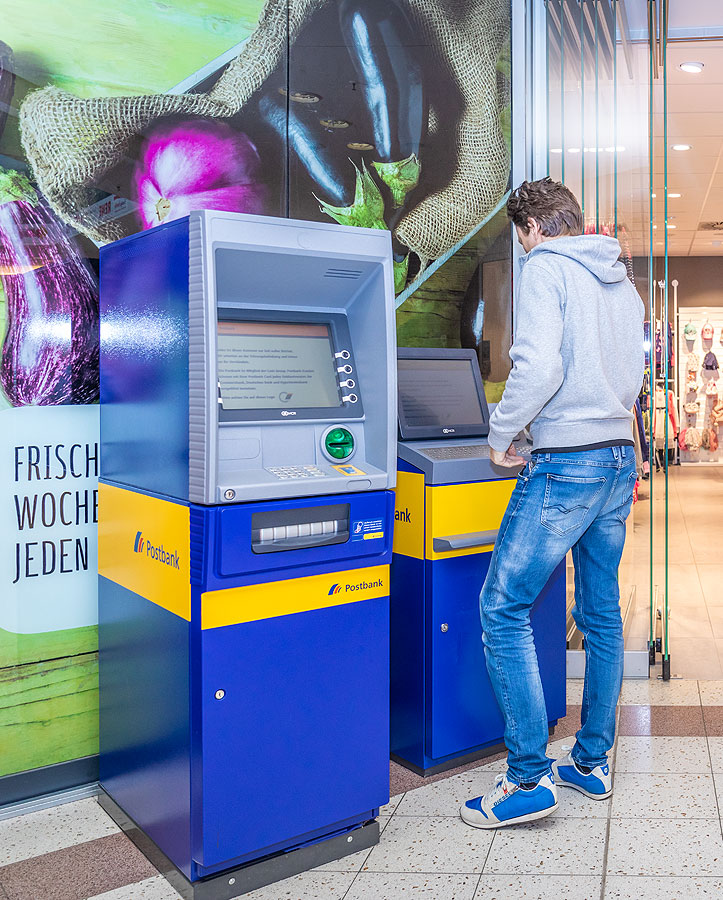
578	365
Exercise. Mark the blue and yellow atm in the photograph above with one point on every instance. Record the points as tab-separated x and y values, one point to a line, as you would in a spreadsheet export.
450	500
248	444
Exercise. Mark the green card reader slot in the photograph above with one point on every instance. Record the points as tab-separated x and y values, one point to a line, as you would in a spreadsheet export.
338	443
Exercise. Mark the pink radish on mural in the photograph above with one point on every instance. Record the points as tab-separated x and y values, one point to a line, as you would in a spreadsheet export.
197	165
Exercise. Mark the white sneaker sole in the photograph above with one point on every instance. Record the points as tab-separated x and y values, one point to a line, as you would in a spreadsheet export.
581	790
520	820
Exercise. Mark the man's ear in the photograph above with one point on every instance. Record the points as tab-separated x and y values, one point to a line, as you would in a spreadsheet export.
533	227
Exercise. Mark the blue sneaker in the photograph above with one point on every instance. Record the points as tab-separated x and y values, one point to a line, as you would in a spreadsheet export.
598	785
509	804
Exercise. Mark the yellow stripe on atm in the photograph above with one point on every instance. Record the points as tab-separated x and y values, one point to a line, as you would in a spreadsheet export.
283	598
458	509
409	515
144	545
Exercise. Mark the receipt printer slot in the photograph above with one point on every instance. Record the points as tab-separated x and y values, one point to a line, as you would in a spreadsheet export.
295	529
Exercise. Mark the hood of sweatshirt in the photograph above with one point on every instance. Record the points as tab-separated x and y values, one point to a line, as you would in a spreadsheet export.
597	252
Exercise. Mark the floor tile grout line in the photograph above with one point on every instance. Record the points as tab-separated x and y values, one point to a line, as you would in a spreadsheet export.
603	879
710	760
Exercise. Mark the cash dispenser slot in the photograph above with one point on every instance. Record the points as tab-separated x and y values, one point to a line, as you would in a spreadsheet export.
273	531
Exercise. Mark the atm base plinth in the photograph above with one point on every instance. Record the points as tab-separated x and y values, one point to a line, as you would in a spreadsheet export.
456	761
251	876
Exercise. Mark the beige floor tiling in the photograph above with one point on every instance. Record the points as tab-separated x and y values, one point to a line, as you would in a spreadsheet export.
405	886
549	847
444	798
715	747
653	692
694	657
351	863
574	691
623	887
444	845
690	622
537	887
711	693
389	808
654	796
663	755
715	614
156	888
53	829
665	847
711	579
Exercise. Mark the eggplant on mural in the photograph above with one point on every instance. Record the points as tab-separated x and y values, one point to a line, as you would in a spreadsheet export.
384	113
391	114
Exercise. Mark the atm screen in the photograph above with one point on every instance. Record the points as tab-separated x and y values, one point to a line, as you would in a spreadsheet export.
440	393
274	365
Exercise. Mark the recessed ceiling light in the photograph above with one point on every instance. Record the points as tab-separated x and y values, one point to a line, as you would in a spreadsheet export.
673	196
682	147
574	150
653	195
671	226
555	149
695	68
660	243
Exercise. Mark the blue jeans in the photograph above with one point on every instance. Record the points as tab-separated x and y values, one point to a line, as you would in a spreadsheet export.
562	501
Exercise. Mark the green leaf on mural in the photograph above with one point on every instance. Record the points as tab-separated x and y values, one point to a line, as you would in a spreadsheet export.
48	712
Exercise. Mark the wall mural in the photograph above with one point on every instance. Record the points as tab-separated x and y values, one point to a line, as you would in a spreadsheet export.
390	114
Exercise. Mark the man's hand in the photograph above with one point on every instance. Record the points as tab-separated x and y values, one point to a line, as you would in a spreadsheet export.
511	459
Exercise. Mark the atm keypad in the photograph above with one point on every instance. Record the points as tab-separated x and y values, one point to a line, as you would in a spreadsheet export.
285	472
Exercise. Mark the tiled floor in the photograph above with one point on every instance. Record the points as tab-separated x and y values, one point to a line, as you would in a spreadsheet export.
659	835
695	570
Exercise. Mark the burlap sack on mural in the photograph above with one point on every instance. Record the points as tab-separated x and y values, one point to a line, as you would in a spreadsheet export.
71	142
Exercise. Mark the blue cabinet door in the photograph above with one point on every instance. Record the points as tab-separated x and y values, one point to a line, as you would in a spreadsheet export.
464	711
299	741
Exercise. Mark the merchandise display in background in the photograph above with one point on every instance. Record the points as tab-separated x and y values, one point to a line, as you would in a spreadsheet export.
704	418
141	51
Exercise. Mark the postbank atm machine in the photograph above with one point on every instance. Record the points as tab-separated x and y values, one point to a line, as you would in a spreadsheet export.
248	435
450	500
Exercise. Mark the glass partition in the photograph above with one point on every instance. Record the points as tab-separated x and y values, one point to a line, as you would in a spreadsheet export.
601	96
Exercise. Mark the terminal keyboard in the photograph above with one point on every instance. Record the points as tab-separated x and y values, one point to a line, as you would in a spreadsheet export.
469	451
296	472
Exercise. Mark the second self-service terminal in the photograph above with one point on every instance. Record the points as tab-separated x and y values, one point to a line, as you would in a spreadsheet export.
248	450
450	500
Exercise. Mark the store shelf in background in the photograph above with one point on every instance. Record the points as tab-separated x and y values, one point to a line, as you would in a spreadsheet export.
698	317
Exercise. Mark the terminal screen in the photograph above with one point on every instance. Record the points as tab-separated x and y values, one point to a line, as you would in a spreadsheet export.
438	393
274	365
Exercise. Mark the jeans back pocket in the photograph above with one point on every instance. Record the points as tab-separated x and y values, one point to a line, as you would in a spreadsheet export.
623	511
568	499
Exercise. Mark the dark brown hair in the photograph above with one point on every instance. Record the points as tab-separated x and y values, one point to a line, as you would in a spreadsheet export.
549	203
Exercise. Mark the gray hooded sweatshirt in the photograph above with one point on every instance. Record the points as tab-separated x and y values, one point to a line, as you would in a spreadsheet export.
577	353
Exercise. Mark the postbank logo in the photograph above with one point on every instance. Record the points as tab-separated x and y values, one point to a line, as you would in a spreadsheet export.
156	552
252	602
144	544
